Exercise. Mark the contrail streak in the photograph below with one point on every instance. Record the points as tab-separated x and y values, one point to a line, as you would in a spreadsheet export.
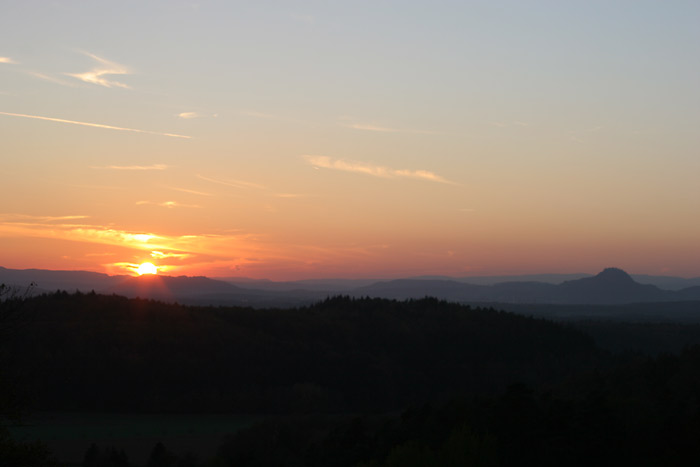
96	125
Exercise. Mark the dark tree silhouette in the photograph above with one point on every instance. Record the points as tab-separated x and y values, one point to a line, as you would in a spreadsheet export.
161	457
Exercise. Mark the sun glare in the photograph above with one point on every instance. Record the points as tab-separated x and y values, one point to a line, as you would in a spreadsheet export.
146	268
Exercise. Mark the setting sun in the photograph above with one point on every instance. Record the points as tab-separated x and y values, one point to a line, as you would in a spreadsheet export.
147	268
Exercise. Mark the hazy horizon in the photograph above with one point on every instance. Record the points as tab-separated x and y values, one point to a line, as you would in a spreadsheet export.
370	278
303	140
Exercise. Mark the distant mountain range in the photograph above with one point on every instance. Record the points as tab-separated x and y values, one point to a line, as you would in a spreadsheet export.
663	282
611	286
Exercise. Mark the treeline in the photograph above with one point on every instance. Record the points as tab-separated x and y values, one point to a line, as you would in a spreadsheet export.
483	387
643	413
646	414
107	353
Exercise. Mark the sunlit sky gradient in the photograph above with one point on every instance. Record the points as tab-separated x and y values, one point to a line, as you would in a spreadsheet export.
293	140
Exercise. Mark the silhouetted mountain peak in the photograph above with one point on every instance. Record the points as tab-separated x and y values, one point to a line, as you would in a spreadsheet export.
614	276
612	285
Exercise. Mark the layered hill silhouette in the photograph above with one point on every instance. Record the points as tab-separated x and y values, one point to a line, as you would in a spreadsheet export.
169	287
206	291
612	286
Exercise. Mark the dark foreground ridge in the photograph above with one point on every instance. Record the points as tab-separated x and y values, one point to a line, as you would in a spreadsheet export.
351	382
95	352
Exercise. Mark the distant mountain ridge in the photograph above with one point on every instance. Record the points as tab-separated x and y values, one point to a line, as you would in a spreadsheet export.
196	290
609	287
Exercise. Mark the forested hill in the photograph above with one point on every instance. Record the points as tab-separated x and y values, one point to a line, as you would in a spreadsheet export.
98	352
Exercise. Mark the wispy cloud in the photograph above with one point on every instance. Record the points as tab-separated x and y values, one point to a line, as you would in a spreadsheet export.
366	127
168	204
41	218
97	74
133	167
94	125
326	162
243	185
383	129
49	78
192	192
223	251
189	115
233	183
35	227
7	60
101	187
162	255
157	246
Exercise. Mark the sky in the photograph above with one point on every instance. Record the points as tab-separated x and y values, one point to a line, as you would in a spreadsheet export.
365	139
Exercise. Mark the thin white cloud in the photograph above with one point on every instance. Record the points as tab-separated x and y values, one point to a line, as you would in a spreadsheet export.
79	232
98	75
168	204
240	184
366	127
189	115
192	192
383	129
162	255
41	218
95	125
133	167
7	60
326	162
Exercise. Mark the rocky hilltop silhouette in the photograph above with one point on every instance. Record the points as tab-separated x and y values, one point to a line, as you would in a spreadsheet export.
611	286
